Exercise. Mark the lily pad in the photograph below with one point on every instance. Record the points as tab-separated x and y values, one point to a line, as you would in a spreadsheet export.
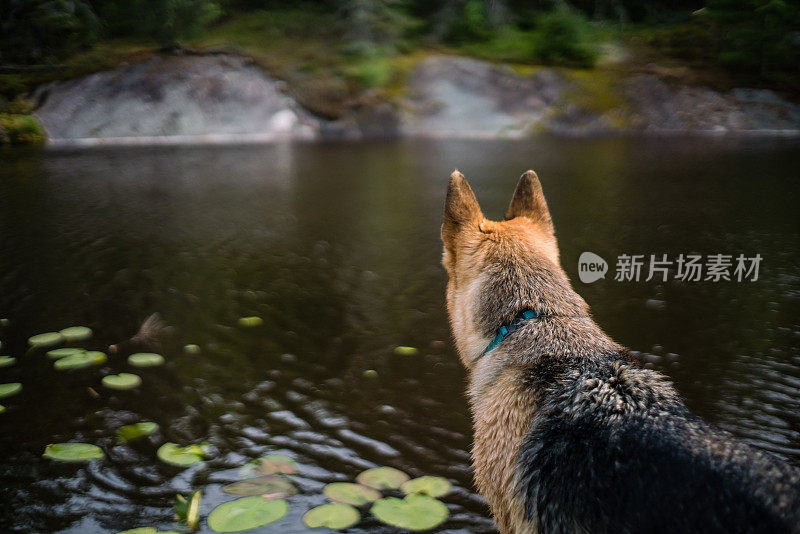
136	431
381	478
145	359
370	373
48	339
349	493
7	390
147	530
174	454
191	349
269	487
428	485
335	516
406	351
249	322
79	360
246	513
5	361
64	352
415	512
122	381
73	452
2	408
76	333
270	465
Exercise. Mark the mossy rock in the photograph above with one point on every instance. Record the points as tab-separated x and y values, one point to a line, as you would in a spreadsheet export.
21	130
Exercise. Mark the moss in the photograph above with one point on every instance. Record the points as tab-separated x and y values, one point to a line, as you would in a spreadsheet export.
594	90
20	106
597	92
20	130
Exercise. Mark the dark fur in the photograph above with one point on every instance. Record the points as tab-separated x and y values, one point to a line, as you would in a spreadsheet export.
611	447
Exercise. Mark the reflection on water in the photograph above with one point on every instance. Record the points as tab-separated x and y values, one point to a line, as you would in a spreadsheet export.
336	247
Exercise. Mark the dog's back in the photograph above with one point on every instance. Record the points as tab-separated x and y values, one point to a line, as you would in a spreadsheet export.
571	435
613	449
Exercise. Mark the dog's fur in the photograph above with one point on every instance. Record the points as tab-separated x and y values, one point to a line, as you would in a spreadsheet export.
572	435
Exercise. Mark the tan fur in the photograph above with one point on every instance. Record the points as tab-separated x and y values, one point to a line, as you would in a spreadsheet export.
502	407
501	419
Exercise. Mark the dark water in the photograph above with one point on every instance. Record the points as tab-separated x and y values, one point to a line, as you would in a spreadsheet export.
336	246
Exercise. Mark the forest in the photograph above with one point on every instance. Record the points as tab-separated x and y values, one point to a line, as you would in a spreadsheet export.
758	40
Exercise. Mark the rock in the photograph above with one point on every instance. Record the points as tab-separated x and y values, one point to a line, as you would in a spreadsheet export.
185	98
454	96
196	97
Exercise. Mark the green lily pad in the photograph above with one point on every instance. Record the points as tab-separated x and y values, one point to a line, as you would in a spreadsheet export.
4	322
381	478
191	349
370	373
79	360
64	352
6	361
415	512
48	339
349	493
336	516
73	452
246	513
249	322
145	359
174	454
270	465
7	390
2	408
136	431
76	333
428	485
122	381
406	351
269	487
147	530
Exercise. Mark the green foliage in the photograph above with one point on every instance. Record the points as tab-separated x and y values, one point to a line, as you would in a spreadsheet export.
166	21
507	44
757	35
20	130
564	37
20	106
44	30
372	70
472	24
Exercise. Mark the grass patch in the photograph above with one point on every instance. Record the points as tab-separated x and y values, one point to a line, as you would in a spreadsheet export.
20	130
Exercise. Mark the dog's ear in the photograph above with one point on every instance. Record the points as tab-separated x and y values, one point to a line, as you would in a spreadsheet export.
461	208
528	201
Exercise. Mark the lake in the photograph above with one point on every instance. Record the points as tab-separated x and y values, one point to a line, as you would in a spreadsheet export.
336	246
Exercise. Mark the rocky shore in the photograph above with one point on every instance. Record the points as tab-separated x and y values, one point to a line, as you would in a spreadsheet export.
227	98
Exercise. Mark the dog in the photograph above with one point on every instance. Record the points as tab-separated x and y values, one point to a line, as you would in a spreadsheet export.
571	434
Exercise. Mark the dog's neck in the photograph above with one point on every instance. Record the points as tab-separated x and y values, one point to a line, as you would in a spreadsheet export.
542	341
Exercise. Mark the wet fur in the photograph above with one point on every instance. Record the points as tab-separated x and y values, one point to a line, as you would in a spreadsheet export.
571	435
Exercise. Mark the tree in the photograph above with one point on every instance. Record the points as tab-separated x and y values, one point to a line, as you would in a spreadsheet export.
167	21
41	30
757	35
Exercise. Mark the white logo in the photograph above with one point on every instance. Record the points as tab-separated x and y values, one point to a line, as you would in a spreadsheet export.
591	267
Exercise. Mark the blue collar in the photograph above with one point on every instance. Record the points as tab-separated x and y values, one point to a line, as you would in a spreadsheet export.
508	329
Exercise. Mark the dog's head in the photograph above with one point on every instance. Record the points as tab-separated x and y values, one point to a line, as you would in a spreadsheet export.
498	268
